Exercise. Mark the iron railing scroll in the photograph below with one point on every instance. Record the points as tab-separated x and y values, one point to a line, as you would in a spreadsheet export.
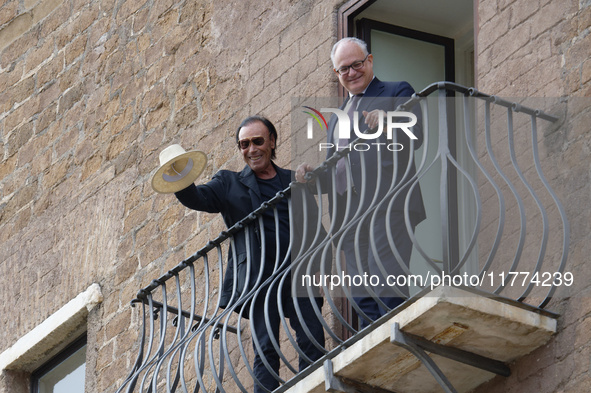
496	219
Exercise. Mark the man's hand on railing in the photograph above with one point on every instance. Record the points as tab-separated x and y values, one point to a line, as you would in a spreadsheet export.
373	118
300	173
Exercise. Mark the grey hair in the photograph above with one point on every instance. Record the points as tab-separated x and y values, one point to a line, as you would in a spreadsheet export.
355	40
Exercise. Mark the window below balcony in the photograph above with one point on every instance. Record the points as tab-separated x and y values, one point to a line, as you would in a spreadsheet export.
64	373
51	357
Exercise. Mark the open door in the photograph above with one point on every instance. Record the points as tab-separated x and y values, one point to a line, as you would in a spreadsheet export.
422	43
421	59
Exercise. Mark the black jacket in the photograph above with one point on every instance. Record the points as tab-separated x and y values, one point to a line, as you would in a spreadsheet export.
385	96
235	195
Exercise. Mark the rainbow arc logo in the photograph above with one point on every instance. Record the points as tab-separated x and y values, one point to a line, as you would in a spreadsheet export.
317	116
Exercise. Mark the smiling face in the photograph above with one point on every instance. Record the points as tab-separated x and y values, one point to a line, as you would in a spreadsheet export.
258	158
355	81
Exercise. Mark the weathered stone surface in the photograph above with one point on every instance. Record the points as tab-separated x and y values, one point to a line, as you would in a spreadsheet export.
91	91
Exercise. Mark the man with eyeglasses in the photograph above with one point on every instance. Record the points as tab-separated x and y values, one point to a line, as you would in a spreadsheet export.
236	195
374	180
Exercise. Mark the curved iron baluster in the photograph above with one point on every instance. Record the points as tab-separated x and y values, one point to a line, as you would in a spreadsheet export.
565	223
219	350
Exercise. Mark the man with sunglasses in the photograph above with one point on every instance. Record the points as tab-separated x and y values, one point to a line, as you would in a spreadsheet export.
236	195
375	177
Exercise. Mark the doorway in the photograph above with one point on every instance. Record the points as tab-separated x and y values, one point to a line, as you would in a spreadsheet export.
421	42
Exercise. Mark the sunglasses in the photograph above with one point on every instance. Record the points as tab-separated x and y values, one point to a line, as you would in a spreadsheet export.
243	144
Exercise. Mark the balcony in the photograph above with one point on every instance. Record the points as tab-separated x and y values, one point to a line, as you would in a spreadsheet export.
485	264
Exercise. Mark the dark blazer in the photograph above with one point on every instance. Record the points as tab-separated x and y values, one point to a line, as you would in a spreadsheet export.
235	195
385	96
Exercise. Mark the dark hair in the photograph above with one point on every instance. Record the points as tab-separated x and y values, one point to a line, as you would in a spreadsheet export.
270	127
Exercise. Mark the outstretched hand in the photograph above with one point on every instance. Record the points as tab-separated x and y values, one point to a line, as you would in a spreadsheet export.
372	119
300	173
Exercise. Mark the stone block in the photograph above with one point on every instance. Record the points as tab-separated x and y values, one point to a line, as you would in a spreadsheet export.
50	25
8	11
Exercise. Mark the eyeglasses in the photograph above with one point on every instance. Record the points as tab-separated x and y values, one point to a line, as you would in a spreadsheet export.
243	144
344	70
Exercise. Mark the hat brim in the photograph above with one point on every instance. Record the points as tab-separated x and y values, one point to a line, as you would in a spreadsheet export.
168	179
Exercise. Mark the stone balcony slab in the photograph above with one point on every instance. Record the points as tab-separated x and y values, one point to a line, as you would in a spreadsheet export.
473	322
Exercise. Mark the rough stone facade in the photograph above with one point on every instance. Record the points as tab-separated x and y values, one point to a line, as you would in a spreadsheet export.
91	91
542	49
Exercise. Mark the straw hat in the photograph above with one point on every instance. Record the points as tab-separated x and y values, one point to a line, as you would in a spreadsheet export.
178	169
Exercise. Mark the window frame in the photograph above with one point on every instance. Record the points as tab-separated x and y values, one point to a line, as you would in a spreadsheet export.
74	346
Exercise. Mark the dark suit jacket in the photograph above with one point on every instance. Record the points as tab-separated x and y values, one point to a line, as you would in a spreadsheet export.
235	195
385	96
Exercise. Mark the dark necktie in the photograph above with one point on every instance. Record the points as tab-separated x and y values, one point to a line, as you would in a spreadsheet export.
341	170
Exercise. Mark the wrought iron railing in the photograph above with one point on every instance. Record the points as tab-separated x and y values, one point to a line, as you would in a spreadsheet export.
496	223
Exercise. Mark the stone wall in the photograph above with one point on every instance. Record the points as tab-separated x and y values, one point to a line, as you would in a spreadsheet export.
542	49
91	91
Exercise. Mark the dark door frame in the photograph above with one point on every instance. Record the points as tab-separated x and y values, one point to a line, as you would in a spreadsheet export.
364	27
345	28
